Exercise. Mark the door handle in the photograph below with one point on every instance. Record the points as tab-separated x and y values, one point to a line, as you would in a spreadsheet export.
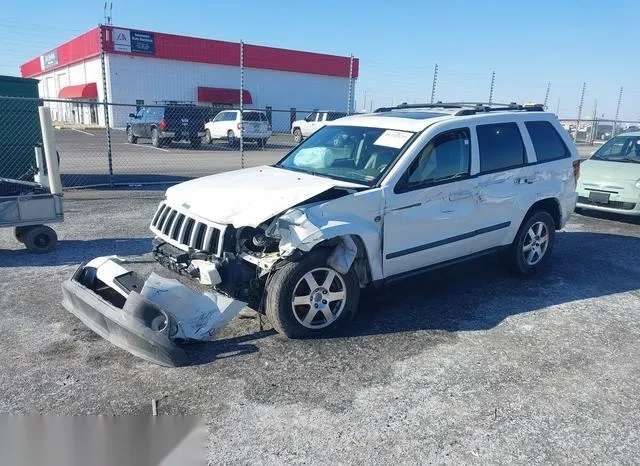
460	195
527	179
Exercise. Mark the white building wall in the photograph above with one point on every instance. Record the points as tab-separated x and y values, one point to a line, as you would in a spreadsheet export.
84	72
150	79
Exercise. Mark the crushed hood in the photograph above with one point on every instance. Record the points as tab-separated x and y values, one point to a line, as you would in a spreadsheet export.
250	196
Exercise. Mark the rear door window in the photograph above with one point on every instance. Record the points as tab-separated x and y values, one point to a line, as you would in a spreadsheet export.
546	141
501	147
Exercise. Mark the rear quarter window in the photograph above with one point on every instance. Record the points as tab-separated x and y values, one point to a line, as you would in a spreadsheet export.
546	141
501	147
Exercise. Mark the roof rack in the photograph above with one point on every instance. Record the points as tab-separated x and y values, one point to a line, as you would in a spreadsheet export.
468	108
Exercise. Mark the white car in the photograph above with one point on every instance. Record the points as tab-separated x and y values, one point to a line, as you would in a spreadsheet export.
254	126
405	191
301	129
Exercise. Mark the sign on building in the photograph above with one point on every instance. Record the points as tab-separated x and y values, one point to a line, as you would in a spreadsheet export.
49	59
126	40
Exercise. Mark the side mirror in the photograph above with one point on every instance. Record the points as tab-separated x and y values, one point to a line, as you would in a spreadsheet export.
132	115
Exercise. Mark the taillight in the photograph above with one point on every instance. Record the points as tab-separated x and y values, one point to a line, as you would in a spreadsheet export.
240	126
576	170
163	124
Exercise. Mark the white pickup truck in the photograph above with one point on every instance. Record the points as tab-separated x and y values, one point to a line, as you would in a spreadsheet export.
301	129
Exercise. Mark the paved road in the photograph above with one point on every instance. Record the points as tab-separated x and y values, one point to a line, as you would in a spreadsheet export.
467	365
84	158
85	161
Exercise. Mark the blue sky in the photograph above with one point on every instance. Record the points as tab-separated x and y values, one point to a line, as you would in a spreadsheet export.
527	44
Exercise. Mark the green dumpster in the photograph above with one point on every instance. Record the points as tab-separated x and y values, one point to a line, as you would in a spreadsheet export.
19	127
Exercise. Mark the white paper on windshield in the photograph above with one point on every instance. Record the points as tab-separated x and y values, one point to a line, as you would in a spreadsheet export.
391	138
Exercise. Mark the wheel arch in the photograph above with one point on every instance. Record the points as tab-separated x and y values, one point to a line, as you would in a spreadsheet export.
550	205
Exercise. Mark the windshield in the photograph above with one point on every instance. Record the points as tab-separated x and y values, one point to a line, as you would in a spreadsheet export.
620	149
351	153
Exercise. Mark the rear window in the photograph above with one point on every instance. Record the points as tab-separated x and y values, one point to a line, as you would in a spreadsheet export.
501	146
546	141
335	115
253	116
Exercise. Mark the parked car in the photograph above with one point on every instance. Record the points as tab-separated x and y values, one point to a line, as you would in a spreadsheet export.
163	124
406	191
301	129
254	127
610	178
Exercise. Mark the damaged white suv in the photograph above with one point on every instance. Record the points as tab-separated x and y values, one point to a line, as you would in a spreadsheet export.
369	199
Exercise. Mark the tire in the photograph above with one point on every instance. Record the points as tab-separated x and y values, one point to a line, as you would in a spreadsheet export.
306	320
297	136
40	239
195	142
231	138
207	137
156	140
521	258
130	137
19	233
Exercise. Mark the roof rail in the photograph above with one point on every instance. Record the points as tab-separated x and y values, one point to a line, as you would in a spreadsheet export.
468	108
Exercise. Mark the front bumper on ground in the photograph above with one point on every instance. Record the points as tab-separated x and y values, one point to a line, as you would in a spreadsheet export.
150	319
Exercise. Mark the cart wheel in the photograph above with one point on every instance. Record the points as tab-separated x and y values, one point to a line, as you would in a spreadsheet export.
19	233
40	238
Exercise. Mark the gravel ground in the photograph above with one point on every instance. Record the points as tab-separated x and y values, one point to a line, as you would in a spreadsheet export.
466	365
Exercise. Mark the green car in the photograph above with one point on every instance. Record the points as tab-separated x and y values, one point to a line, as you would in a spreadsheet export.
610	179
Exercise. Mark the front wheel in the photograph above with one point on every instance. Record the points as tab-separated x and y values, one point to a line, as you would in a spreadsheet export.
309	298
207	137
297	136
40	238
533	244
130	137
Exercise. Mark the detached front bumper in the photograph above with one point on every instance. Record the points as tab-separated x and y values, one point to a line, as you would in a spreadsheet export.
148	318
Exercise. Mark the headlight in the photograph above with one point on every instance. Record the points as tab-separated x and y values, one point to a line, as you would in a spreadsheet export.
638	184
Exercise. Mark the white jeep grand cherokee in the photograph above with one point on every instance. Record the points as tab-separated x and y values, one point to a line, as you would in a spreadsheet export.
370	199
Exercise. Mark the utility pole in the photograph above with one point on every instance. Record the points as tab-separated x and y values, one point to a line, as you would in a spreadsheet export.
558	108
433	86
349	106
615	121
546	95
493	81
584	88
594	124
364	101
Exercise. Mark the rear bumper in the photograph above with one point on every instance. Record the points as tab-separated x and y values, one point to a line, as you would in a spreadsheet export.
180	134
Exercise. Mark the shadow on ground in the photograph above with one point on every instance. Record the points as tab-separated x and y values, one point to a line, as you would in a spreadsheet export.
71	252
479	295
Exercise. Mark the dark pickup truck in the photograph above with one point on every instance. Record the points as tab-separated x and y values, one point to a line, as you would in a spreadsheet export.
163	124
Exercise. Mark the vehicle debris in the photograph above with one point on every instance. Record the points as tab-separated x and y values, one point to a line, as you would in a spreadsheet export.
149	318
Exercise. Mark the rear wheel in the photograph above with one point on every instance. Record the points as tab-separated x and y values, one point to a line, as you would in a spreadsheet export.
40	238
232	140
297	136
130	137
156	140
19	233
308	298
533	244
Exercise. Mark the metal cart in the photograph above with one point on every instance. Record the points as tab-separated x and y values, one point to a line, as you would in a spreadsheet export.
26	206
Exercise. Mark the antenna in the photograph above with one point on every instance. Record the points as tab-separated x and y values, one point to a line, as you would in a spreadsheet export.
108	9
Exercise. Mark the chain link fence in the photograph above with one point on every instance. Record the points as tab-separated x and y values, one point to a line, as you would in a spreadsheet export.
147	144
594	132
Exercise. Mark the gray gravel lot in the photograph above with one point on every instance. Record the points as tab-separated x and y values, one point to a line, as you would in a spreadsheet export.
466	365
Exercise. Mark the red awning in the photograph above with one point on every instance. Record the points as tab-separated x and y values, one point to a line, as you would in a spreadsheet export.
81	91
219	95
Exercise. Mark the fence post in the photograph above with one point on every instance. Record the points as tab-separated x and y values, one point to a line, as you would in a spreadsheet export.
350	85
106	106
584	88
615	121
241	103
